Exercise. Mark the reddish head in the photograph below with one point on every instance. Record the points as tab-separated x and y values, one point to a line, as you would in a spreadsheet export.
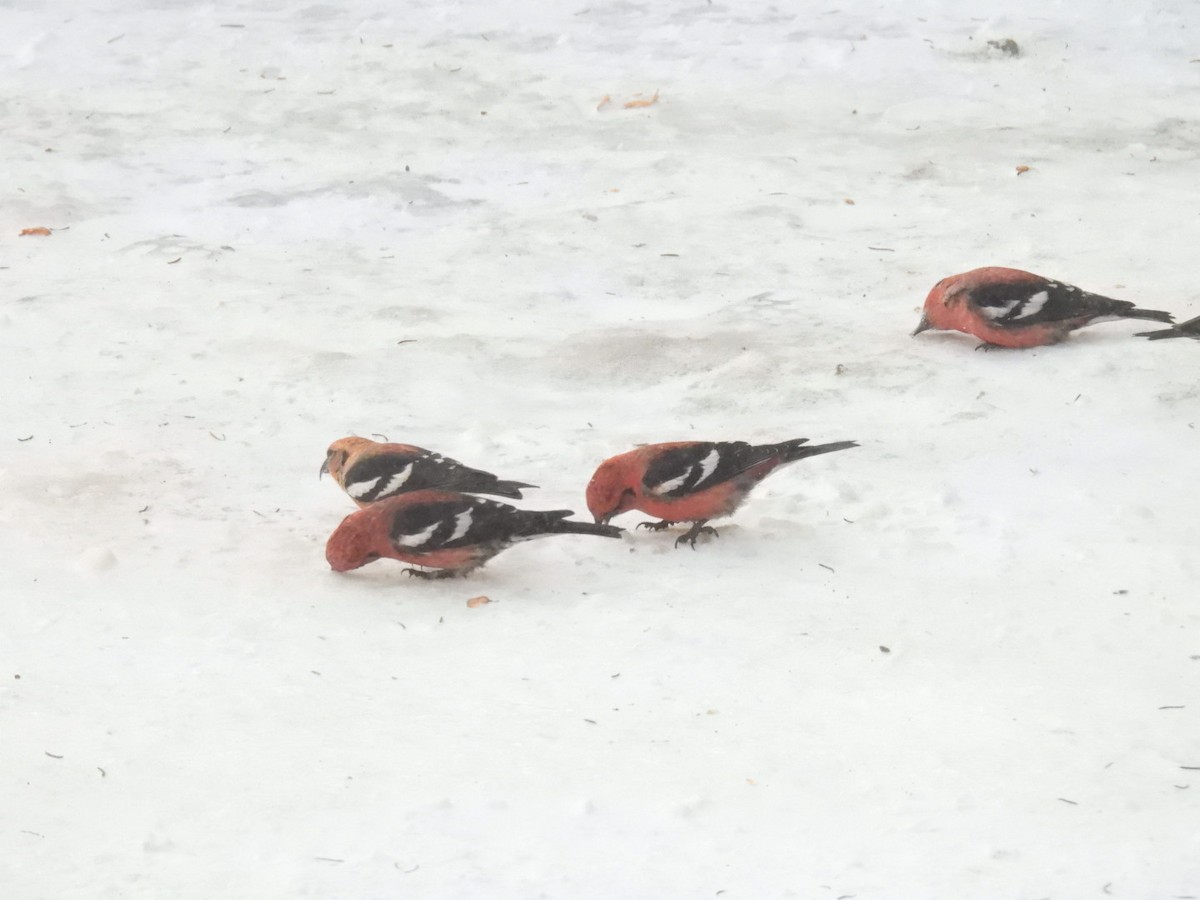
935	313
353	543
614	487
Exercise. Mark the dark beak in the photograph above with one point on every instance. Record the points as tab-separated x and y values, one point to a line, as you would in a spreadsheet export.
324	468
923	325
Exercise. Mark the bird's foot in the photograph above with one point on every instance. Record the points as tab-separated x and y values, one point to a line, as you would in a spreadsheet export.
431	576
692	534
655	526
988	347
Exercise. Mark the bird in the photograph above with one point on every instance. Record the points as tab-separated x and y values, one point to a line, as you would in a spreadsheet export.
1190	328
690	481
370	471
1012	308
448	532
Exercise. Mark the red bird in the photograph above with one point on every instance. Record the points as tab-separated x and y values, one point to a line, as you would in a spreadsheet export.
369	471
453	533
1190	328
690	481
1010	308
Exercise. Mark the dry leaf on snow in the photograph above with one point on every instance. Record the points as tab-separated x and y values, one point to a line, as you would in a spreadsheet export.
639	104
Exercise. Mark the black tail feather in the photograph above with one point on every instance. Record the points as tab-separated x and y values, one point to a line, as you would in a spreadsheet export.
568	526
1154	315
801	449
509	489
1190	328
556	522
1164	334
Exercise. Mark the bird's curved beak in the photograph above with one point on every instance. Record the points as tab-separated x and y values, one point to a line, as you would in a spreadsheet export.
923	325
324	468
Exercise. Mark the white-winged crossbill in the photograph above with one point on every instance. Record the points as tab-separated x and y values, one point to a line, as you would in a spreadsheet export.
1011	308
450	533
370	471
690	481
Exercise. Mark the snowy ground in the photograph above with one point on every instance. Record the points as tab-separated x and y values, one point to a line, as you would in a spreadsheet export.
274	225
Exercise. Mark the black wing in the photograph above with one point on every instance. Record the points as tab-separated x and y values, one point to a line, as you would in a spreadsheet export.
383	475
387	474
683	470
461	522
477	521
1039	303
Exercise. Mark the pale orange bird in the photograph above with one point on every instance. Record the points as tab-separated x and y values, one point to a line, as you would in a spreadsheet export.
370	471
690	481
1011	308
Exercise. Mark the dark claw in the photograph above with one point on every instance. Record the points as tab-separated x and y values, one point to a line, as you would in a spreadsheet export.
694	533
430	576
655	526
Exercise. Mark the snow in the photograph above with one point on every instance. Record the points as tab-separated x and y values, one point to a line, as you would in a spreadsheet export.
960	660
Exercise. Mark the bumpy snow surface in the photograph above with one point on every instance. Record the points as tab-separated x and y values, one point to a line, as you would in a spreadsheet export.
960	661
